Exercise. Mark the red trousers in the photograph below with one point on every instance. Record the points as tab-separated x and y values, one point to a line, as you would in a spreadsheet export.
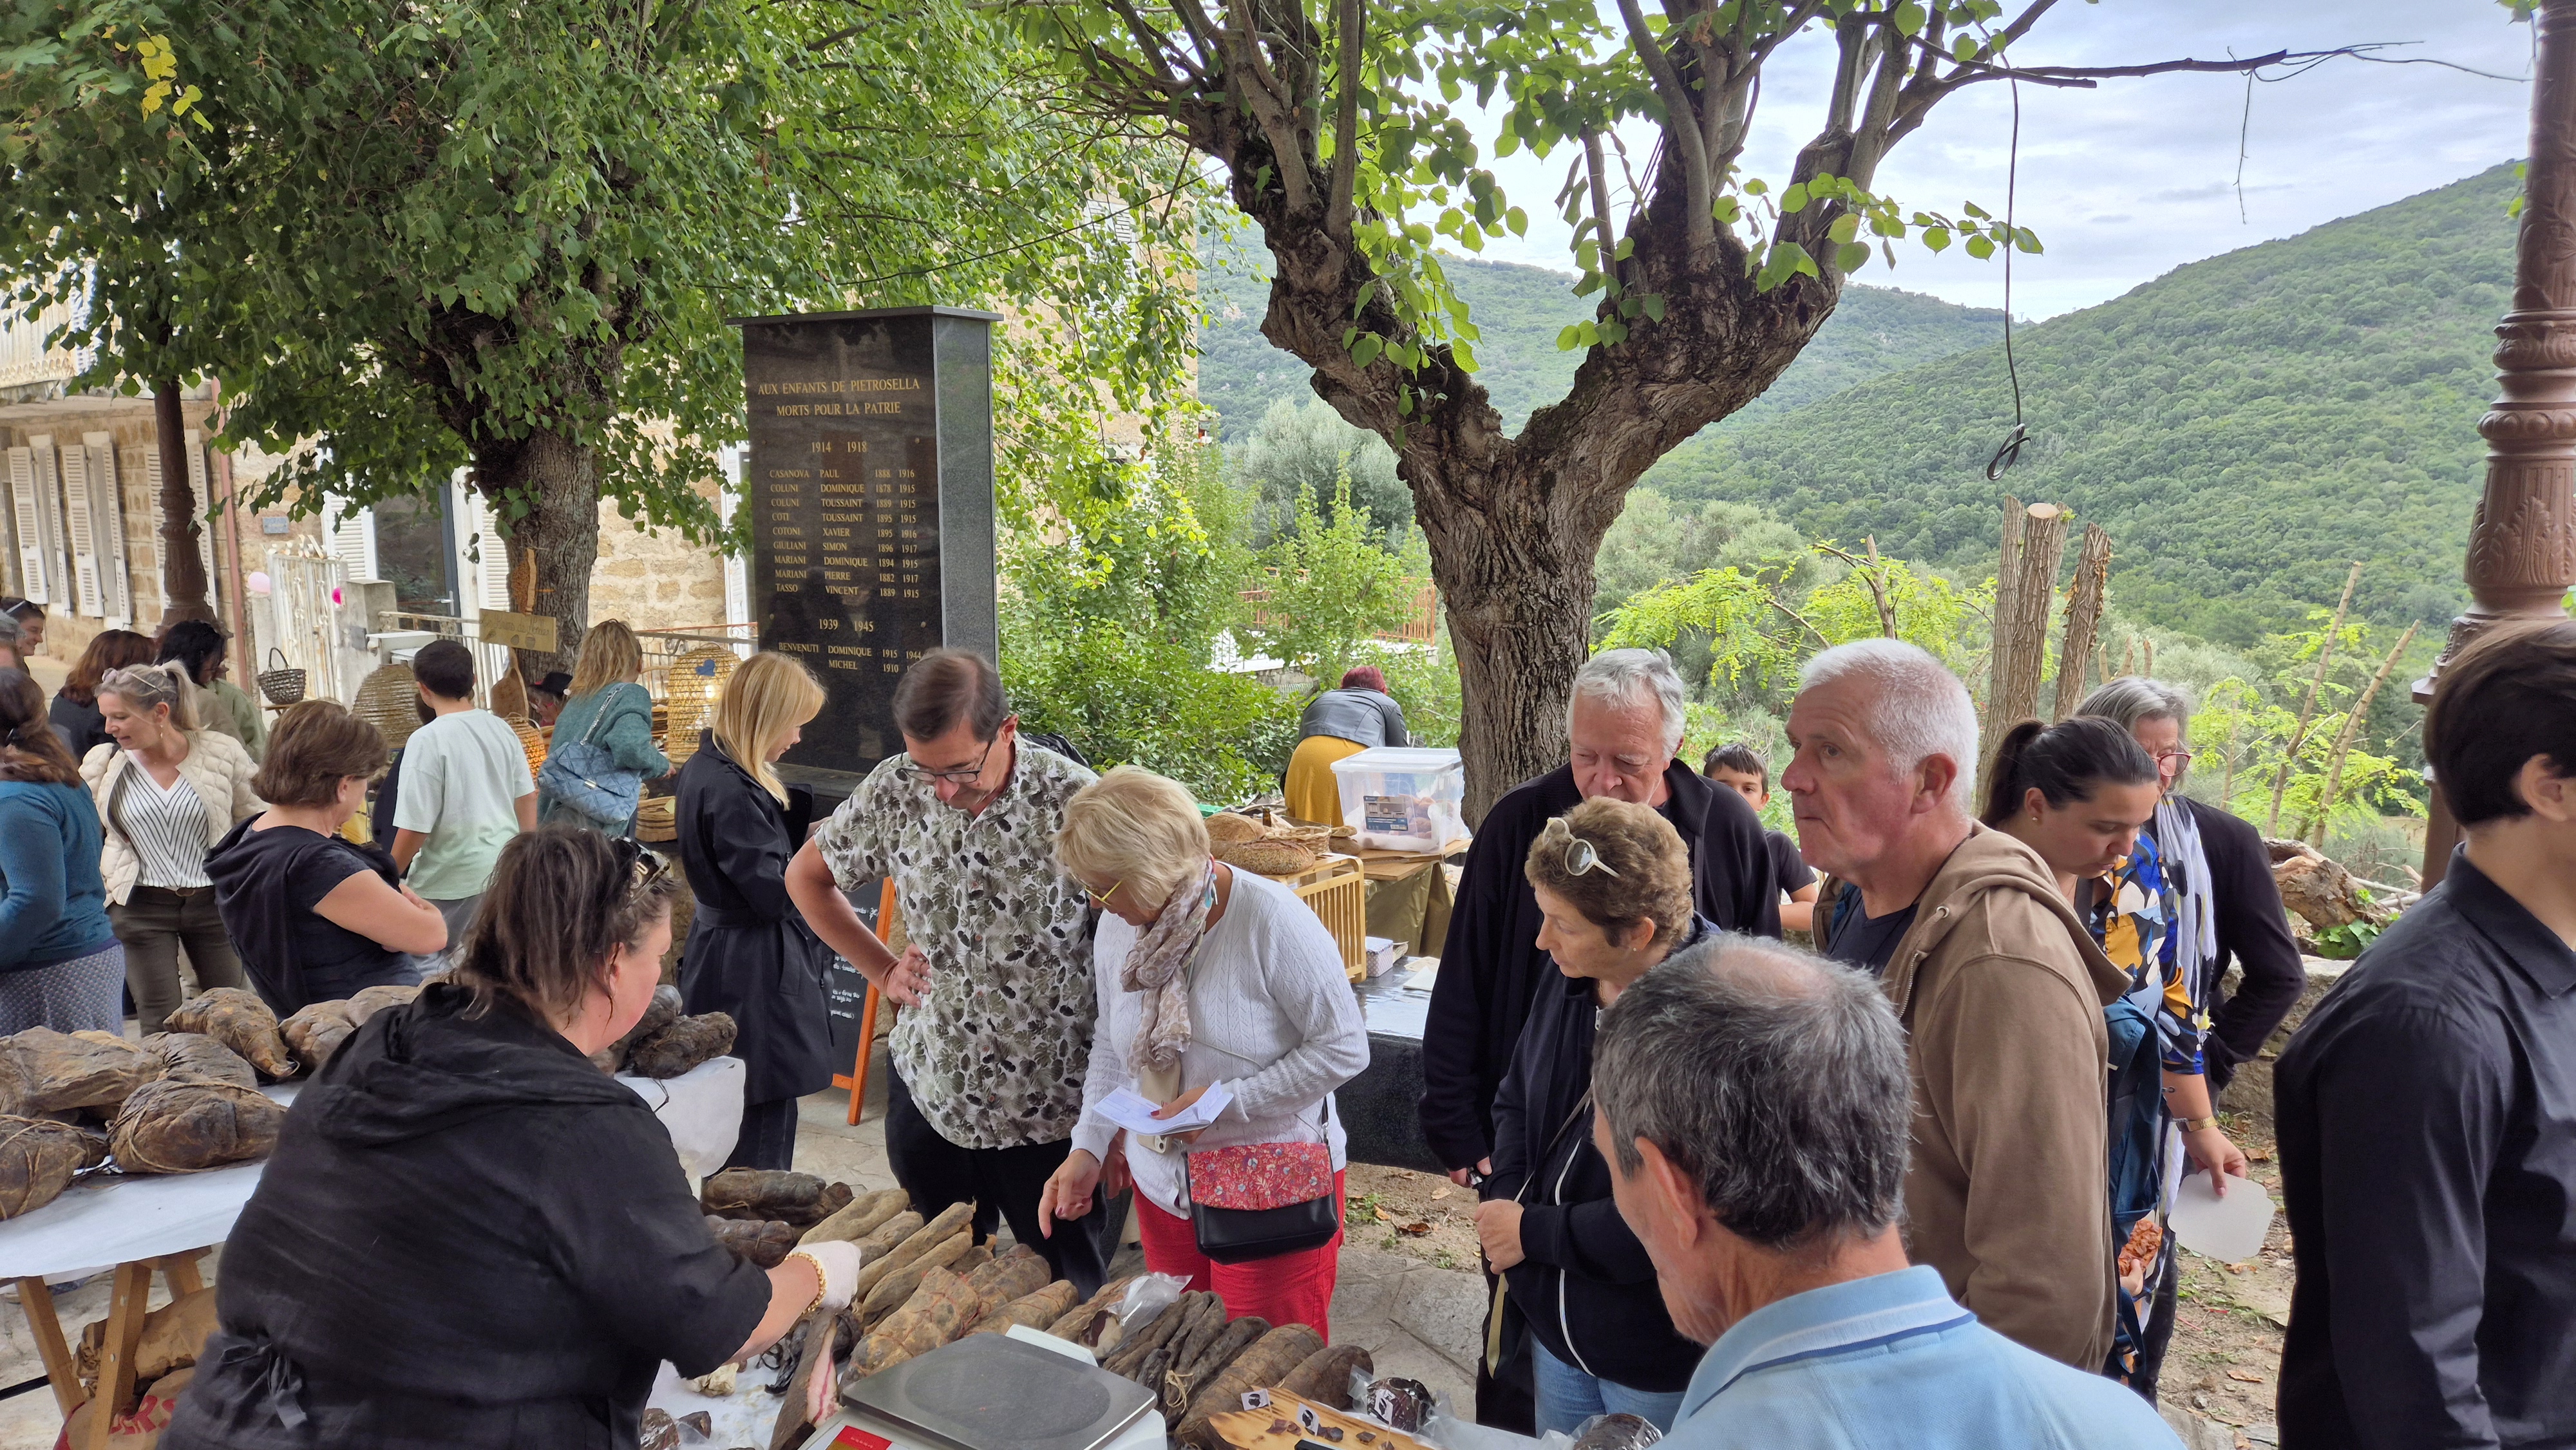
1290	1289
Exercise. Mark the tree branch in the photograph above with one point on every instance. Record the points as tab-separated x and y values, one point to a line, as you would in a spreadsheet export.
1681	125
1346	121
1273	110
1592	162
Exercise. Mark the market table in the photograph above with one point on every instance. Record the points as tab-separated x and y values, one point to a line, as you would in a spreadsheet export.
164	1223
1409	896
1382	1108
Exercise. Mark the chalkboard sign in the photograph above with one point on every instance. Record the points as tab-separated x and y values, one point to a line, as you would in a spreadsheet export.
845	992
870	481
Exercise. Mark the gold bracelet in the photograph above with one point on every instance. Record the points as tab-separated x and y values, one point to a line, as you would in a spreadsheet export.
2194	1125
819	1276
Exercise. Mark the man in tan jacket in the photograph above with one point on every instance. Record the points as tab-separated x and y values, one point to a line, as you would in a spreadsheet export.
1998	983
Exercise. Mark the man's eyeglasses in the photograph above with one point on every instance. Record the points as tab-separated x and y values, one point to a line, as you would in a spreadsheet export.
2178	759
968	776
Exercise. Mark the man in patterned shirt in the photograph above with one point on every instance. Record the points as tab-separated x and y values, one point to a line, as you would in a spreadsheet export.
995	989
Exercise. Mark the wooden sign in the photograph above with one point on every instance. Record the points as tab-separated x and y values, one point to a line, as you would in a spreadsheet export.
519	631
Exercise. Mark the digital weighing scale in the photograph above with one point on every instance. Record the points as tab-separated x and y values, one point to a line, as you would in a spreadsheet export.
1020	1390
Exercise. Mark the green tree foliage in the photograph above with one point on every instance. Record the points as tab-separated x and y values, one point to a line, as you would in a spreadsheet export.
508	237
1307	448
1119	581
1332	586
1519	312
2242	425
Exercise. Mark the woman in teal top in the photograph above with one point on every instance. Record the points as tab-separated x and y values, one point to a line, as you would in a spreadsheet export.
60	963
607	706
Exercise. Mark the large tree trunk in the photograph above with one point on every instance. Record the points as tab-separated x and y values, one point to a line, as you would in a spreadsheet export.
557	541
183	568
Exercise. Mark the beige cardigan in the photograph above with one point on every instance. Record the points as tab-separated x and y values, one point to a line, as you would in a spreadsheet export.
217	768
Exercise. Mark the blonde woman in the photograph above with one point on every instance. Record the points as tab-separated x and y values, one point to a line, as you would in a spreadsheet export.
749	952
608	718
167	790
1204	975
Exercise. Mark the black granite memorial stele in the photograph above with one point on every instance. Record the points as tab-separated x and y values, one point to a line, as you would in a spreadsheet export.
871	484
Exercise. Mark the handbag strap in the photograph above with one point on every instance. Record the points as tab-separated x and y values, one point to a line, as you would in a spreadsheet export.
599	716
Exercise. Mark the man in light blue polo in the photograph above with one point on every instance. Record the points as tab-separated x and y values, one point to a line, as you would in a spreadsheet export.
1754	1104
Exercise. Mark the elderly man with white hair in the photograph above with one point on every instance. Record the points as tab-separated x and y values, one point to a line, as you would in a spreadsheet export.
1622	728
1754	1105
1998	983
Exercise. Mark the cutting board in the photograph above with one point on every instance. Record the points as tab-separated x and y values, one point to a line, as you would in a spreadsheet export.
1250	1429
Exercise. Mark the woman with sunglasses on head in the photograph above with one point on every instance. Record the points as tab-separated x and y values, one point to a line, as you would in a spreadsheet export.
2080	793
468	1235
1206	975
749	954
1613	882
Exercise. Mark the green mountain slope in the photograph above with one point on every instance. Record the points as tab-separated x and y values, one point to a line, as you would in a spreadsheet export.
1520	310
2243	426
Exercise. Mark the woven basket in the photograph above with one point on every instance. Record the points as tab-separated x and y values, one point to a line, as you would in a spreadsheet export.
1227	828
1316	839
386	700
533	741
696	682
283	685
657	819
508	697
1268	858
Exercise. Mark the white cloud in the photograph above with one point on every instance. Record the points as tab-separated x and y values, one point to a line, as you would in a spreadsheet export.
2125	182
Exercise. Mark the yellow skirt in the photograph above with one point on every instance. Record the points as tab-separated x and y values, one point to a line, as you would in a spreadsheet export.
1313	794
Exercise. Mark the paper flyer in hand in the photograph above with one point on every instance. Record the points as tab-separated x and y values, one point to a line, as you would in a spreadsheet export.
1133	1112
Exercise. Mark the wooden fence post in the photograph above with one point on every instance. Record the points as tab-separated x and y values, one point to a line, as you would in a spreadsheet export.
2025	587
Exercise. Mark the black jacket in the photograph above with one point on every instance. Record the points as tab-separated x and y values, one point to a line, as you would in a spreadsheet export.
1585	1287
468	1236
1491	963
2254	929
2428	1158
82	727
749	952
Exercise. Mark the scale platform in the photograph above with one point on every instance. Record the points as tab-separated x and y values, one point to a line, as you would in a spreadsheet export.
995	1392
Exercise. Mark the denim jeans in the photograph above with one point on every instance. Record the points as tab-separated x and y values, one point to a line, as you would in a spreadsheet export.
1567	1396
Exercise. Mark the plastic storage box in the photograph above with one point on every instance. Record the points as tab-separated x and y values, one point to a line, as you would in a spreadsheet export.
1403	798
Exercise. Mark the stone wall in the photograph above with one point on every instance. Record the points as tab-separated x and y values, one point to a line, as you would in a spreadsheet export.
654	580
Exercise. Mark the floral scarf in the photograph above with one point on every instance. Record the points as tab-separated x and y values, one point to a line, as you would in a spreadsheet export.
1156	965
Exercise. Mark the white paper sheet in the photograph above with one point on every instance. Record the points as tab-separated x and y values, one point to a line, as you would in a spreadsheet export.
2229	1229
1136	1114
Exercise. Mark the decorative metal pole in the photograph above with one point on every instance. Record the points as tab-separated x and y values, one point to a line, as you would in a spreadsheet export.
2522	545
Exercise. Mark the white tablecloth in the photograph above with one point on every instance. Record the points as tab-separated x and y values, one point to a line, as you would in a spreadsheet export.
111	1218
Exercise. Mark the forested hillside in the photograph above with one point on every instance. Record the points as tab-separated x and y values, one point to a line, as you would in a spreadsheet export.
2244	426
1520	310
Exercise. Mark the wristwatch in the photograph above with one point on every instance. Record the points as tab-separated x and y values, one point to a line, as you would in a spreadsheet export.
2194	1125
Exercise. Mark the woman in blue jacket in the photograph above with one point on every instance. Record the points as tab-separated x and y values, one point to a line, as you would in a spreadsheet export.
1613	883
60	963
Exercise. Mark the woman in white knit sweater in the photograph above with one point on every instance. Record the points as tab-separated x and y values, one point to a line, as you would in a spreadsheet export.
1205	975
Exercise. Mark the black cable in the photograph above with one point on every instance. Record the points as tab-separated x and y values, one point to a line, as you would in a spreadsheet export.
2010	453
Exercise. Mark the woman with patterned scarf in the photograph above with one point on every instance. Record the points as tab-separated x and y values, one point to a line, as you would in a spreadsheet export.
2080	793
1206	975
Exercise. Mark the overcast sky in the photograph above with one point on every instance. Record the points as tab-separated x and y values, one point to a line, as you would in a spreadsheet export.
2128	181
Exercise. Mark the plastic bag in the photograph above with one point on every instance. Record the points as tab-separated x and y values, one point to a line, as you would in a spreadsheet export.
1150	1295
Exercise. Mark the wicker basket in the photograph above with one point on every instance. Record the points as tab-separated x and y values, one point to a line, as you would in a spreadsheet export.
1316	839
386	700
508	697
283	684
1267	858
533	741
657	819
696	682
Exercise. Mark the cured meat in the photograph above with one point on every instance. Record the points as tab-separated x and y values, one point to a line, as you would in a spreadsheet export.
38	1158
1271	1359
927	1320
195	1057
764	1244
1002	1280
772	1193
241	1021
862	1216
69	1070
682	1045
659	1013
316	1032
182	1127
1325	1377
371	1000
1036	1310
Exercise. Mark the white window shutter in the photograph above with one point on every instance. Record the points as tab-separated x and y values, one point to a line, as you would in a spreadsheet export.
84	544
492	566
201	488
737	571
107	521
30	522
52	536
351	536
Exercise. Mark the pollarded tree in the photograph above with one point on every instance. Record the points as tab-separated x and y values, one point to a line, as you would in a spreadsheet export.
1334	127
507	236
